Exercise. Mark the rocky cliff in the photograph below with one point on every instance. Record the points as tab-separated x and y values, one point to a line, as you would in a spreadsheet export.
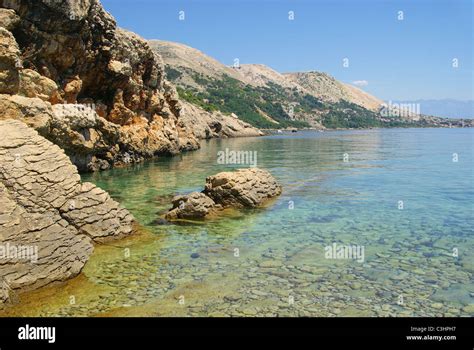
97	91
49	220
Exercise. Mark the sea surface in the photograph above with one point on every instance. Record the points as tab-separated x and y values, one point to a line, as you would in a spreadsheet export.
398	202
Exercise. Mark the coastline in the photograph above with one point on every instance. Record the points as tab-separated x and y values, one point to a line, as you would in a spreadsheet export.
153	257
106	99
276	131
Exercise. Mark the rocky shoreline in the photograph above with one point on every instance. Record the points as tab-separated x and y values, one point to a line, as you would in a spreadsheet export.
49	220
78	94
97	91
435	122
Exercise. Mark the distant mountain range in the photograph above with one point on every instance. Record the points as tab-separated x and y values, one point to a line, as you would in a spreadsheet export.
262	96
265	98
448	108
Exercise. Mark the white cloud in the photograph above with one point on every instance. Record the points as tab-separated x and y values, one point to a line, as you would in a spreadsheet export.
360	82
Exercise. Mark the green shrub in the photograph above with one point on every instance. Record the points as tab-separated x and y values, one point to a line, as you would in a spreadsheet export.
172	74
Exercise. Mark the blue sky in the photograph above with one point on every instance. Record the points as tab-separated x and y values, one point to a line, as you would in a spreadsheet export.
398	60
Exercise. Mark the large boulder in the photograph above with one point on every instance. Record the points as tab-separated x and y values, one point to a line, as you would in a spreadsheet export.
195	205
44	208
244	188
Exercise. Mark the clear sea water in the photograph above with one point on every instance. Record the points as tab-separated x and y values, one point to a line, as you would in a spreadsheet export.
398	194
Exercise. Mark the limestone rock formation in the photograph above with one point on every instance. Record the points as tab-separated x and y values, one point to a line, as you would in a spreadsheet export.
33	84
244	188
85	137
206	125
192	206
69	53
97	215
8	19
72	52
45	207
34	112
9	63
36	248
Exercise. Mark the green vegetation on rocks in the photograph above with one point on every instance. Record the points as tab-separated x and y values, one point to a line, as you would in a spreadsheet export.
229	95
251	103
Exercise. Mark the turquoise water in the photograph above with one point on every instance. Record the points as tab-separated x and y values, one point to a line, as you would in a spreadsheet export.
341	188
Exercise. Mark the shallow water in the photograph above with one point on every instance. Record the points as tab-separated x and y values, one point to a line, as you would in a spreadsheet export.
397	194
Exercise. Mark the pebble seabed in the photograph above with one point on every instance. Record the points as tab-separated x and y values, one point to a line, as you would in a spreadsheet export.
270	261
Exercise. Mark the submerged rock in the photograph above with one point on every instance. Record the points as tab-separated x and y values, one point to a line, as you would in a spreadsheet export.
270	264
469	310
244	188
161	221
47	213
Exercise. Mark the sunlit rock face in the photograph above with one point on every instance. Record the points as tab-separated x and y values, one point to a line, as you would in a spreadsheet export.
72	52
48	218
243	188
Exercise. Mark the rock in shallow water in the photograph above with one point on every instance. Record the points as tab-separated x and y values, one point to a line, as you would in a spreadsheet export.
244	188
160	222
469	309
192	206
44	207
270	264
